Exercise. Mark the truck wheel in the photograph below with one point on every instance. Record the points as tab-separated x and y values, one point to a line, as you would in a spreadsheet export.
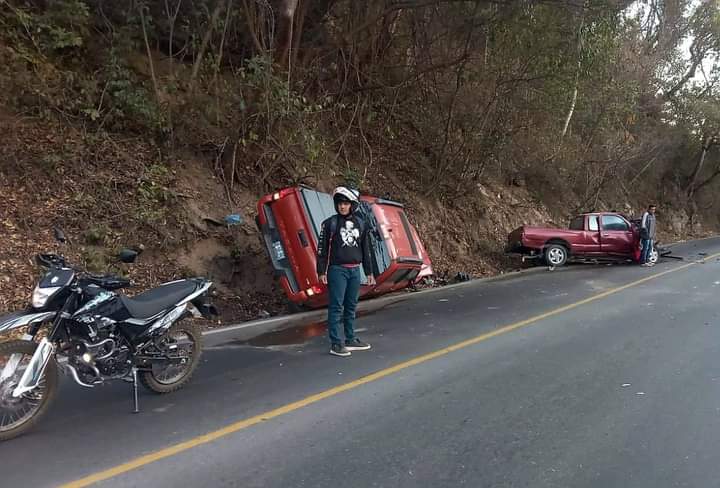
556	254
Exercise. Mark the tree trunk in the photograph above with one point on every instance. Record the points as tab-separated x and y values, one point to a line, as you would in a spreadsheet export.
205	41
571	111
579	48
698	167
285	32
301	15
156	86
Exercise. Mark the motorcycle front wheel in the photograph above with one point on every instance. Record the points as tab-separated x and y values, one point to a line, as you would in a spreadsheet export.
18	415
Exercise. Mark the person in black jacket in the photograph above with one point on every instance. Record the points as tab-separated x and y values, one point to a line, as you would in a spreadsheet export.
344	246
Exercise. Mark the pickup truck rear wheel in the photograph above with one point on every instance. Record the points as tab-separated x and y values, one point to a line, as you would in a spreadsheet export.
556	254
653	256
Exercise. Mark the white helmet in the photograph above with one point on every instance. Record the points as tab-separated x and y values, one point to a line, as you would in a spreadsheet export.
345	194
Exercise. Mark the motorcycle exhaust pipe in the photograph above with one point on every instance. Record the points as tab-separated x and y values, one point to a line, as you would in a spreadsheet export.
76	377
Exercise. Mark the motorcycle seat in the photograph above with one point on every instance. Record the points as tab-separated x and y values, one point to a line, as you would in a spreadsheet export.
154	301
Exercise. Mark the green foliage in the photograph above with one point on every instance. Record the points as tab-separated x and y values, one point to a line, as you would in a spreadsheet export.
275	95
96	235
237	253
153	194
352	178
95	259
64	25
281	113
130	101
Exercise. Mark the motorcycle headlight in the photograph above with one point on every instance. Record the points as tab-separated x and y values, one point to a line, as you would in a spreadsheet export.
40	296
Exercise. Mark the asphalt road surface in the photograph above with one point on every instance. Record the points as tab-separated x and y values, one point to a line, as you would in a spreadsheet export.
586	376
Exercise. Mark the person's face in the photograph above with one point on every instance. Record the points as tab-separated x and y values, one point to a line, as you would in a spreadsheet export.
344	208
651	210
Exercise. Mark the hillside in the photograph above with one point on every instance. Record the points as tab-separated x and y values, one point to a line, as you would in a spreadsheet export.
146	123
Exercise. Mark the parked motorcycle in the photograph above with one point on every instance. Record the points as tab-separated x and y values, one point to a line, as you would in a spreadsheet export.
79	324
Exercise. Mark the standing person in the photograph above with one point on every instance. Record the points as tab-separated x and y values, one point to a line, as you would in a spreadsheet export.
647	235
344	246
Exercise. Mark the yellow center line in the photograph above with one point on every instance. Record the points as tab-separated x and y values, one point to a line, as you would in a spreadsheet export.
243	424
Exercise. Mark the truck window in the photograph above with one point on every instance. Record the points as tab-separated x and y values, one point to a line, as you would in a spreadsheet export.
578	223
593	223
319	207
613	222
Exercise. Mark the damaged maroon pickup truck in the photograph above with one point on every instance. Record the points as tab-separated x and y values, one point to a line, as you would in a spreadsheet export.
590	235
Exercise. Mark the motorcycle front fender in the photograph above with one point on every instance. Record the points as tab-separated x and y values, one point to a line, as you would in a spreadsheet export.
21	319
36	368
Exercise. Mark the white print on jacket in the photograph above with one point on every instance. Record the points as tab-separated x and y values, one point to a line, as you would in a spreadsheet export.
349	234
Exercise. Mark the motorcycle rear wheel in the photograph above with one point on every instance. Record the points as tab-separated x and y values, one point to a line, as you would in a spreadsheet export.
166	378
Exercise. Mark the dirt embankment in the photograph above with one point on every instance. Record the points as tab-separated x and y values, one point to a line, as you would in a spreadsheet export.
108	193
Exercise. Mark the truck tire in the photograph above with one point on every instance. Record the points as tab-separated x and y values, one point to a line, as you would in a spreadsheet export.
555	255
653	256
154	381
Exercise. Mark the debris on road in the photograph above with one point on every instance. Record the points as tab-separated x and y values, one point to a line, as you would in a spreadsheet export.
461	277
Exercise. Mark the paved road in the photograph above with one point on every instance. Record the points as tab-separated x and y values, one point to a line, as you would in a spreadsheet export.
551	379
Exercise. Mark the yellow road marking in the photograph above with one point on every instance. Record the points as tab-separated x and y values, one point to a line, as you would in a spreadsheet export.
243	424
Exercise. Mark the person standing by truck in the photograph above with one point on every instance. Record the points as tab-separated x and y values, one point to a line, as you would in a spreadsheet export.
648	226
343	246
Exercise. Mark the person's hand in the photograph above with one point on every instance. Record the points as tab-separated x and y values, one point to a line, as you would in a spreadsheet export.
323	279
371	280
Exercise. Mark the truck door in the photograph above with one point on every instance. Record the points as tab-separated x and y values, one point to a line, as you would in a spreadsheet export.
616	236
588	238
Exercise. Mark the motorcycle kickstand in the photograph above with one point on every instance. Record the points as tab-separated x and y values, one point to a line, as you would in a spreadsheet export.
135	390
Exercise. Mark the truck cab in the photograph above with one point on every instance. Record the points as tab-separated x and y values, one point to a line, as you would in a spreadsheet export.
290	221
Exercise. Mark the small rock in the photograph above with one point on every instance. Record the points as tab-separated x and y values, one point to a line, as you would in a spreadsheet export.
263	314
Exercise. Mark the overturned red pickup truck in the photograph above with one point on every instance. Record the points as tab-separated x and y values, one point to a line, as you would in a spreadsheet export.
589	235
290	219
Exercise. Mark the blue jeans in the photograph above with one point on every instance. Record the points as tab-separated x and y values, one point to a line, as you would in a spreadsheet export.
647	245
344	292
